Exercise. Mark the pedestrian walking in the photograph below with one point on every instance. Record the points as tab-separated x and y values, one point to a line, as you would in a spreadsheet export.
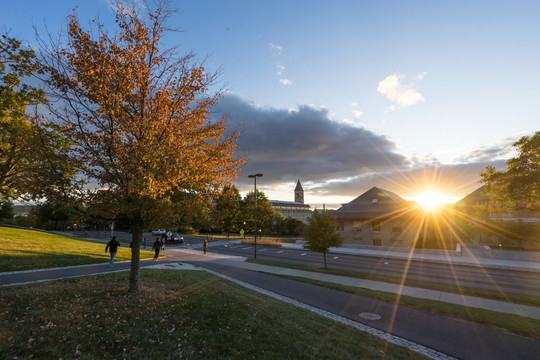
112	246
144	243
156	247
205	246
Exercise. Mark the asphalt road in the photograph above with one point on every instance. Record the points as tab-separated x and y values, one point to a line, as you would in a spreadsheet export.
503	280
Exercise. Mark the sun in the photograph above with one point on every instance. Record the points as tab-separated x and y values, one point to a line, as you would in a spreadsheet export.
430	200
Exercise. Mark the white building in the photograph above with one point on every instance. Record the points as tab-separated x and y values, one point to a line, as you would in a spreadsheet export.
294	209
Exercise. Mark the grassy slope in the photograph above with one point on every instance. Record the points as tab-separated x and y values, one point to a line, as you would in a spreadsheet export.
29	249
188	314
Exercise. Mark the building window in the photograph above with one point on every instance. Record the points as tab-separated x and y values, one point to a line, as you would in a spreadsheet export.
396	229
377	242
376	226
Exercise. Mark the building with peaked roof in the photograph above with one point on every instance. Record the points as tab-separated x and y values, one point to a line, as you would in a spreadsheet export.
294	209
377	217
476	198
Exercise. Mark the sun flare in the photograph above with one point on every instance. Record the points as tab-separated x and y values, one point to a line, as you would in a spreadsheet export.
431	200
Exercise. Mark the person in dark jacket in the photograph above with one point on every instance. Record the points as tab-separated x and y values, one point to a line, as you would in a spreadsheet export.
156	247
112	246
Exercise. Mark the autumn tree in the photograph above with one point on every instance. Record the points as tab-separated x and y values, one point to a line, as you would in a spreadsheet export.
139	114
31	154
519	185
321	233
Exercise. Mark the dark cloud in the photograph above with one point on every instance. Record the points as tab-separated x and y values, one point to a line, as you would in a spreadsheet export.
336	159
306	144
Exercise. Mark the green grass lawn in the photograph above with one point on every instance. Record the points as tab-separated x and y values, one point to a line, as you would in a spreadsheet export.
178	314
29	249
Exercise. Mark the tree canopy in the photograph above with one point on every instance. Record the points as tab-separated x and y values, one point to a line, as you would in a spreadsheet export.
321	233
265	211
227	209
31	154
139	115
519	185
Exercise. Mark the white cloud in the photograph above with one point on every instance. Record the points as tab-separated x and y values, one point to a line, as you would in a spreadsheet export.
421	76
354	104
275	47
280	68
409	97
357	114
394	90
285	82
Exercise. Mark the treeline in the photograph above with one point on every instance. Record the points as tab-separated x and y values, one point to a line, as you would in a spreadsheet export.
225	213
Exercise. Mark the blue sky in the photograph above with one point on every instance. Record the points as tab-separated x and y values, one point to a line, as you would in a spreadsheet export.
346	95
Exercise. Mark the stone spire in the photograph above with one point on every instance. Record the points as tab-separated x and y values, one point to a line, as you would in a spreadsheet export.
299	193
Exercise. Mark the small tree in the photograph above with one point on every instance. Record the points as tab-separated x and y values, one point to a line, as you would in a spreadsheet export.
321	234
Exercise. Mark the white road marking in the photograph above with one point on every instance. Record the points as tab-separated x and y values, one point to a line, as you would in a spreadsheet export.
336	257
303	254
279	252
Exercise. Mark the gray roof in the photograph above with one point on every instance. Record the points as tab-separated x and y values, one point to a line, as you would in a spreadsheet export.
374	203
288	203
298	186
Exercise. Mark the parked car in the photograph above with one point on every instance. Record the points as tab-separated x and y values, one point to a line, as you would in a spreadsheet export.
158	232
175	239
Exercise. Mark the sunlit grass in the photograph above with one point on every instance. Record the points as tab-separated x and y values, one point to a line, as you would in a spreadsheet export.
29	249
181	315
263	242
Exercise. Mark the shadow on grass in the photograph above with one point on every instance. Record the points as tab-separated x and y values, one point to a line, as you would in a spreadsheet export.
39	260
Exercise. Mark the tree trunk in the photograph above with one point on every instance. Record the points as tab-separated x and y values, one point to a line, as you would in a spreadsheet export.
134	277
324	255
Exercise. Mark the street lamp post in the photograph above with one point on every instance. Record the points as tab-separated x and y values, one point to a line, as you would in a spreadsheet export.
255	176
